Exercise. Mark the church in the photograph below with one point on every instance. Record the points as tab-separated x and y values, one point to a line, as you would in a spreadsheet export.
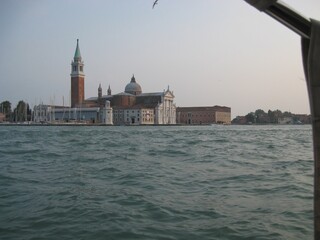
131	107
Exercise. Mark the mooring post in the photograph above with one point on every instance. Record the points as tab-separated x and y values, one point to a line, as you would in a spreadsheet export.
309	30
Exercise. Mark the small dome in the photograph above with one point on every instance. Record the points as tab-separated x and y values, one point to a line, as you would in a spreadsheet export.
133	87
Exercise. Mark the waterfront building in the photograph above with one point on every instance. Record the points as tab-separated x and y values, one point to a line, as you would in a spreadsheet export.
134	116
204	115
43	113
106	114
131	107
60	114
57	114
285	120
2	117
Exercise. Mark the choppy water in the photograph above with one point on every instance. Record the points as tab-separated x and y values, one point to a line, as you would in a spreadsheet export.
204	182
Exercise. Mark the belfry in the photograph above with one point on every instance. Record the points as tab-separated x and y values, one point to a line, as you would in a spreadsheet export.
77	79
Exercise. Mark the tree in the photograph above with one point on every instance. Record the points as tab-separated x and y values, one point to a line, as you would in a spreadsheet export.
261	116
259	112
22	112
250	117
271	116
5	107
287	114
277	114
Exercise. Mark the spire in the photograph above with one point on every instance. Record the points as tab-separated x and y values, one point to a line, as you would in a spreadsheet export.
77	64
109	90
133	79
100	91
77	54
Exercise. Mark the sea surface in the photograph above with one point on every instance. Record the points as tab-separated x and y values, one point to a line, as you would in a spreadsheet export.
178	182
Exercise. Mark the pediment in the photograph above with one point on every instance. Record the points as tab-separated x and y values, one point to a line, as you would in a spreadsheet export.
168	94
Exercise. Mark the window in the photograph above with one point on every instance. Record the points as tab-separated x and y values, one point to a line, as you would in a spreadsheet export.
81	68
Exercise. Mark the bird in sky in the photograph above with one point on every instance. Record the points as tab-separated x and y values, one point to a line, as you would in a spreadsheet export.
155	2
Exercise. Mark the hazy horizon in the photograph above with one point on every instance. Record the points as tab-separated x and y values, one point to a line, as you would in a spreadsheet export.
209	52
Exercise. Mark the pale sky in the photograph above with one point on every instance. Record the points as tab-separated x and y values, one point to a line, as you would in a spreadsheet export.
210	52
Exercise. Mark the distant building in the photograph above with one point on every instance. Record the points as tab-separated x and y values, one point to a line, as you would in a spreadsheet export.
272	118
43	113
131	107
134	116
2	117
302	119
204	115
59	114
285	120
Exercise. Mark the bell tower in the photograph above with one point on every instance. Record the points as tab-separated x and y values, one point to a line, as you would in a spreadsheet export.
77	78
99	91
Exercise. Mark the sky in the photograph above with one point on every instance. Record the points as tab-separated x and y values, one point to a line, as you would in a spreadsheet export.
209	52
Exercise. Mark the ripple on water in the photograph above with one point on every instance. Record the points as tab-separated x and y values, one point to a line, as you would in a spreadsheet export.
196	182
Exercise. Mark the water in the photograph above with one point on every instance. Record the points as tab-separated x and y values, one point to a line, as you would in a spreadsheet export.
202	182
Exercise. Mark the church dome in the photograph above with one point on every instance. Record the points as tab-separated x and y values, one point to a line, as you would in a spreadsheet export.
133	87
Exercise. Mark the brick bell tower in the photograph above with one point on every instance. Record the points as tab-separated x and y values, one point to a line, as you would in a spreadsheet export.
77	78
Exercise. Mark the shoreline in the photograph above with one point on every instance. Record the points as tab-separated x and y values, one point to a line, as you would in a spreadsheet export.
142	125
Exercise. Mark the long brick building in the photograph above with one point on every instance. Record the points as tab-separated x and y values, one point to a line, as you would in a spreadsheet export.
203	115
